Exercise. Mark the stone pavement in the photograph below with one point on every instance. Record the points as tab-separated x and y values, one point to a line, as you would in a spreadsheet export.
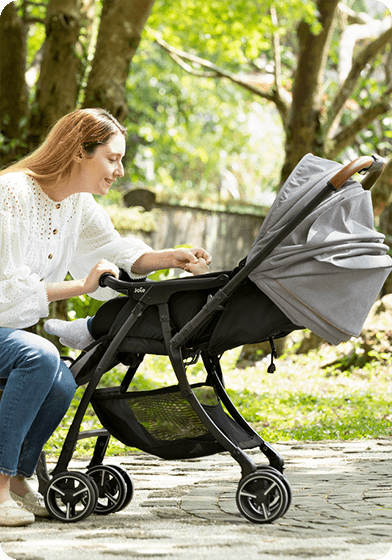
341	509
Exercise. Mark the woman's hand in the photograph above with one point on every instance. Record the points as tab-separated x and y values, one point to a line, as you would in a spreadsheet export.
194	260
91	282
71	288
200	267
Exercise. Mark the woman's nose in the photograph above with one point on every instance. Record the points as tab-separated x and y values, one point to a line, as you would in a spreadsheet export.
120	170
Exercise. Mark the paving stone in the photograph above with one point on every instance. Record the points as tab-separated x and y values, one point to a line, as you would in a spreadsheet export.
341	509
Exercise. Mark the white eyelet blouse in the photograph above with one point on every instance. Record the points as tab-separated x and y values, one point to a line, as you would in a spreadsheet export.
42	240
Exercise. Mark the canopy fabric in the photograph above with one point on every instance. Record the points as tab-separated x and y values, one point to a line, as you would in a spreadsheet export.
327	273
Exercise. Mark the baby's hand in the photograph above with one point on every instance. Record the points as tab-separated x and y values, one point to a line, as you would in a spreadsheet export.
200	267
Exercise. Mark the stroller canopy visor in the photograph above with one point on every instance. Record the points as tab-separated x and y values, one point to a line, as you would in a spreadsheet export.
327	273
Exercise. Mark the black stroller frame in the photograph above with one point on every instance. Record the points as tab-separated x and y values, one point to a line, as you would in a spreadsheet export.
264	492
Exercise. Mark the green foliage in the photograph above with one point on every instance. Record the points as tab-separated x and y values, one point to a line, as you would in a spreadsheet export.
83	306
36	32
183	144
228	32
179	144
189	142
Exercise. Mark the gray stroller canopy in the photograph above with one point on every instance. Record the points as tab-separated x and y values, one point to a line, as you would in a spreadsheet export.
327	273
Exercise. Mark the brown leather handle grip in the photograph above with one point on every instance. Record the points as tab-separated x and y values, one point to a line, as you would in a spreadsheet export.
363	163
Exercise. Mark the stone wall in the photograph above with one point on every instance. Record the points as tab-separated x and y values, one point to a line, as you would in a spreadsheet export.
227	236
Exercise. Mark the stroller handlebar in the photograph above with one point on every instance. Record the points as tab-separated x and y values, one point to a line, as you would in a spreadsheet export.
164	288
110	281
373	165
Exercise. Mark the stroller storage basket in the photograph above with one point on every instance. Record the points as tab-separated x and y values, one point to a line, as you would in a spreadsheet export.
162	422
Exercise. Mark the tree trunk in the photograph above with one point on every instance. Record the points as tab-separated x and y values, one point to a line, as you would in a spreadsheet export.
382	193
13	92
61	69
304	119
122	23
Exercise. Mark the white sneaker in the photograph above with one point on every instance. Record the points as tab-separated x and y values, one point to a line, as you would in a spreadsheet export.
12	515
74	334
32	502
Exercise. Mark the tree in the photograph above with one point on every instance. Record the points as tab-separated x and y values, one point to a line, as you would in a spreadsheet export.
122	23
13	93
319	114
66	74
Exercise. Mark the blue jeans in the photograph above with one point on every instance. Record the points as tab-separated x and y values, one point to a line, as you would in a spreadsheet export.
38	389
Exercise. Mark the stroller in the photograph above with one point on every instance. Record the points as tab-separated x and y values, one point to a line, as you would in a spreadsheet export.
268	295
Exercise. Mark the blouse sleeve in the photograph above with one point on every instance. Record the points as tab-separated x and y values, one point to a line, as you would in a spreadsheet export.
98	239
23	298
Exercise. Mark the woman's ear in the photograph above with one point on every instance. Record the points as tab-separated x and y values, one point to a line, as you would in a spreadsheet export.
78	156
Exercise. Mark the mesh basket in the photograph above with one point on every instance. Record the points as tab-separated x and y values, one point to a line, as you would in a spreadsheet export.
163	423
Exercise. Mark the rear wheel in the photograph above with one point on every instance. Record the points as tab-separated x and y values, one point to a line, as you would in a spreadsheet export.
129	483
112	488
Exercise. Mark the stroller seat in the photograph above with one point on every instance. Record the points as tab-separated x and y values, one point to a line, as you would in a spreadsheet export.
249	316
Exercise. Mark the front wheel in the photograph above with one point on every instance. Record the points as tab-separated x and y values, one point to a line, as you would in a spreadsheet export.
71	496
262	497
283	478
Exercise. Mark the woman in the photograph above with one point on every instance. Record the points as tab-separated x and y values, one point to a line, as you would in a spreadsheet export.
50	224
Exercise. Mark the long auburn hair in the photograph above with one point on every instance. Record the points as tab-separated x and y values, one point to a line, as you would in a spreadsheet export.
81	130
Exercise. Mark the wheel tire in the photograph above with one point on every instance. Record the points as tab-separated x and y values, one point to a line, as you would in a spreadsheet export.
129	483
262	497
112	489
71	496
283	479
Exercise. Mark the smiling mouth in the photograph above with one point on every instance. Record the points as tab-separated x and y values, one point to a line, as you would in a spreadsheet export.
109	181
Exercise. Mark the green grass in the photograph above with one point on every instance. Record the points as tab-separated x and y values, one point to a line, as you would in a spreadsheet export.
329	394
308	399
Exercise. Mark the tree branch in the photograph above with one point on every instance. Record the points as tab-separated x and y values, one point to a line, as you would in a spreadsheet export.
353	17
28	19
188	68
215	72
276	43
347	134
359	63
279	92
